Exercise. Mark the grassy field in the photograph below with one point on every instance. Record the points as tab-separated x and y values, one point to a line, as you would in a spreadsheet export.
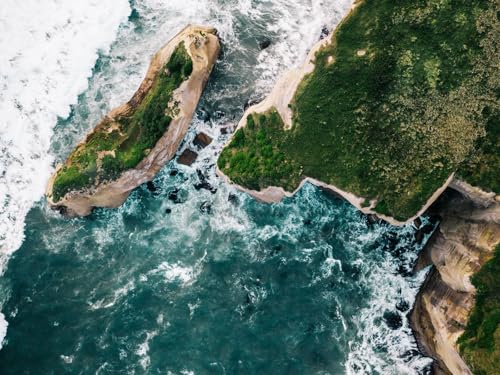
401	99
257	156
121	144
480	343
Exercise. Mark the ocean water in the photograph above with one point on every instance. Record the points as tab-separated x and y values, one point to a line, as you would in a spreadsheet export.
182	279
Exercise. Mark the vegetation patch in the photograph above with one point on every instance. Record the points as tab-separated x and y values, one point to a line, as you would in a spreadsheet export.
480	343
483	167
399	100
121	143
255	156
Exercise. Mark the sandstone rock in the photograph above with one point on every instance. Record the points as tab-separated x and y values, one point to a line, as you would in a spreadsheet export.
464	241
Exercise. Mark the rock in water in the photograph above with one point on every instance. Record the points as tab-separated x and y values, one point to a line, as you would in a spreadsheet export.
202	140
116	174
264	43
187	157
324	32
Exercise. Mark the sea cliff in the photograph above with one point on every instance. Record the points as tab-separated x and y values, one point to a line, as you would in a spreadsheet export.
465	240
134	141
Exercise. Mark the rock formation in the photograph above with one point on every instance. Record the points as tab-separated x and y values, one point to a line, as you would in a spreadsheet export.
203	47
465	239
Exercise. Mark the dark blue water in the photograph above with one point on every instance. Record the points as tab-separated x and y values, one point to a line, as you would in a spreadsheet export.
212	282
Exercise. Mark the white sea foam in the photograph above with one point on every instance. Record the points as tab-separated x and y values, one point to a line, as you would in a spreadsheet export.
118	294
48	51
179	272
3	329
379	348
143	350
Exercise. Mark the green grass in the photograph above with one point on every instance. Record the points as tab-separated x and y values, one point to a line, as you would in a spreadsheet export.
127	140
401	107
255	154
483	167
480	343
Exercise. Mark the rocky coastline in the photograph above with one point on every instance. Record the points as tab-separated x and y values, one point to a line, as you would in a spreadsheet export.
465	240
467	235
202	45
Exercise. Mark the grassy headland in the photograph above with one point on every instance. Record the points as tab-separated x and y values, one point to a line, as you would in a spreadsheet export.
121	143
399	100
480	343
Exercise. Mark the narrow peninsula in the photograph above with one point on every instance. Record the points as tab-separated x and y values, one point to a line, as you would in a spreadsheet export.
134	141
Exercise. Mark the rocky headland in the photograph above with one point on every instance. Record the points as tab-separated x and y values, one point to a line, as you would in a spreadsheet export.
445	141
168	96
467	235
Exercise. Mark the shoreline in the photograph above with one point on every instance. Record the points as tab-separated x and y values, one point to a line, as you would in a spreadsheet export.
286	86
274	194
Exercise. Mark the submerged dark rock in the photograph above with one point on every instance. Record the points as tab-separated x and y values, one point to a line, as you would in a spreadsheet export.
393	320
206	208
232	198
177	195
324	32
150	185
203	183
403	305
202	140
219	114
250	102
264	43
204	115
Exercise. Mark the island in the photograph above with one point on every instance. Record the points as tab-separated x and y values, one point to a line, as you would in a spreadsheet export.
399	106
134	141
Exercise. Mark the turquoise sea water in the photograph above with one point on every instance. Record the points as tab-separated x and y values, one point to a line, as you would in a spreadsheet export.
191	279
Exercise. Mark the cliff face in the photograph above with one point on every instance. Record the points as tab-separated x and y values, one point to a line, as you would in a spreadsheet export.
203	47
465	240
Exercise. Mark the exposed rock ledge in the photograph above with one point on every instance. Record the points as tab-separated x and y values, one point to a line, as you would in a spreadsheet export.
113	194
273	194
465	240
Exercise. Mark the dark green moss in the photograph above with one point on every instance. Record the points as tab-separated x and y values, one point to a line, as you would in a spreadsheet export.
395	104
480	343
129	138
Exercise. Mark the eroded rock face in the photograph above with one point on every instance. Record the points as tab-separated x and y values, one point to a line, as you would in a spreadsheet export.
202	44
465	240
